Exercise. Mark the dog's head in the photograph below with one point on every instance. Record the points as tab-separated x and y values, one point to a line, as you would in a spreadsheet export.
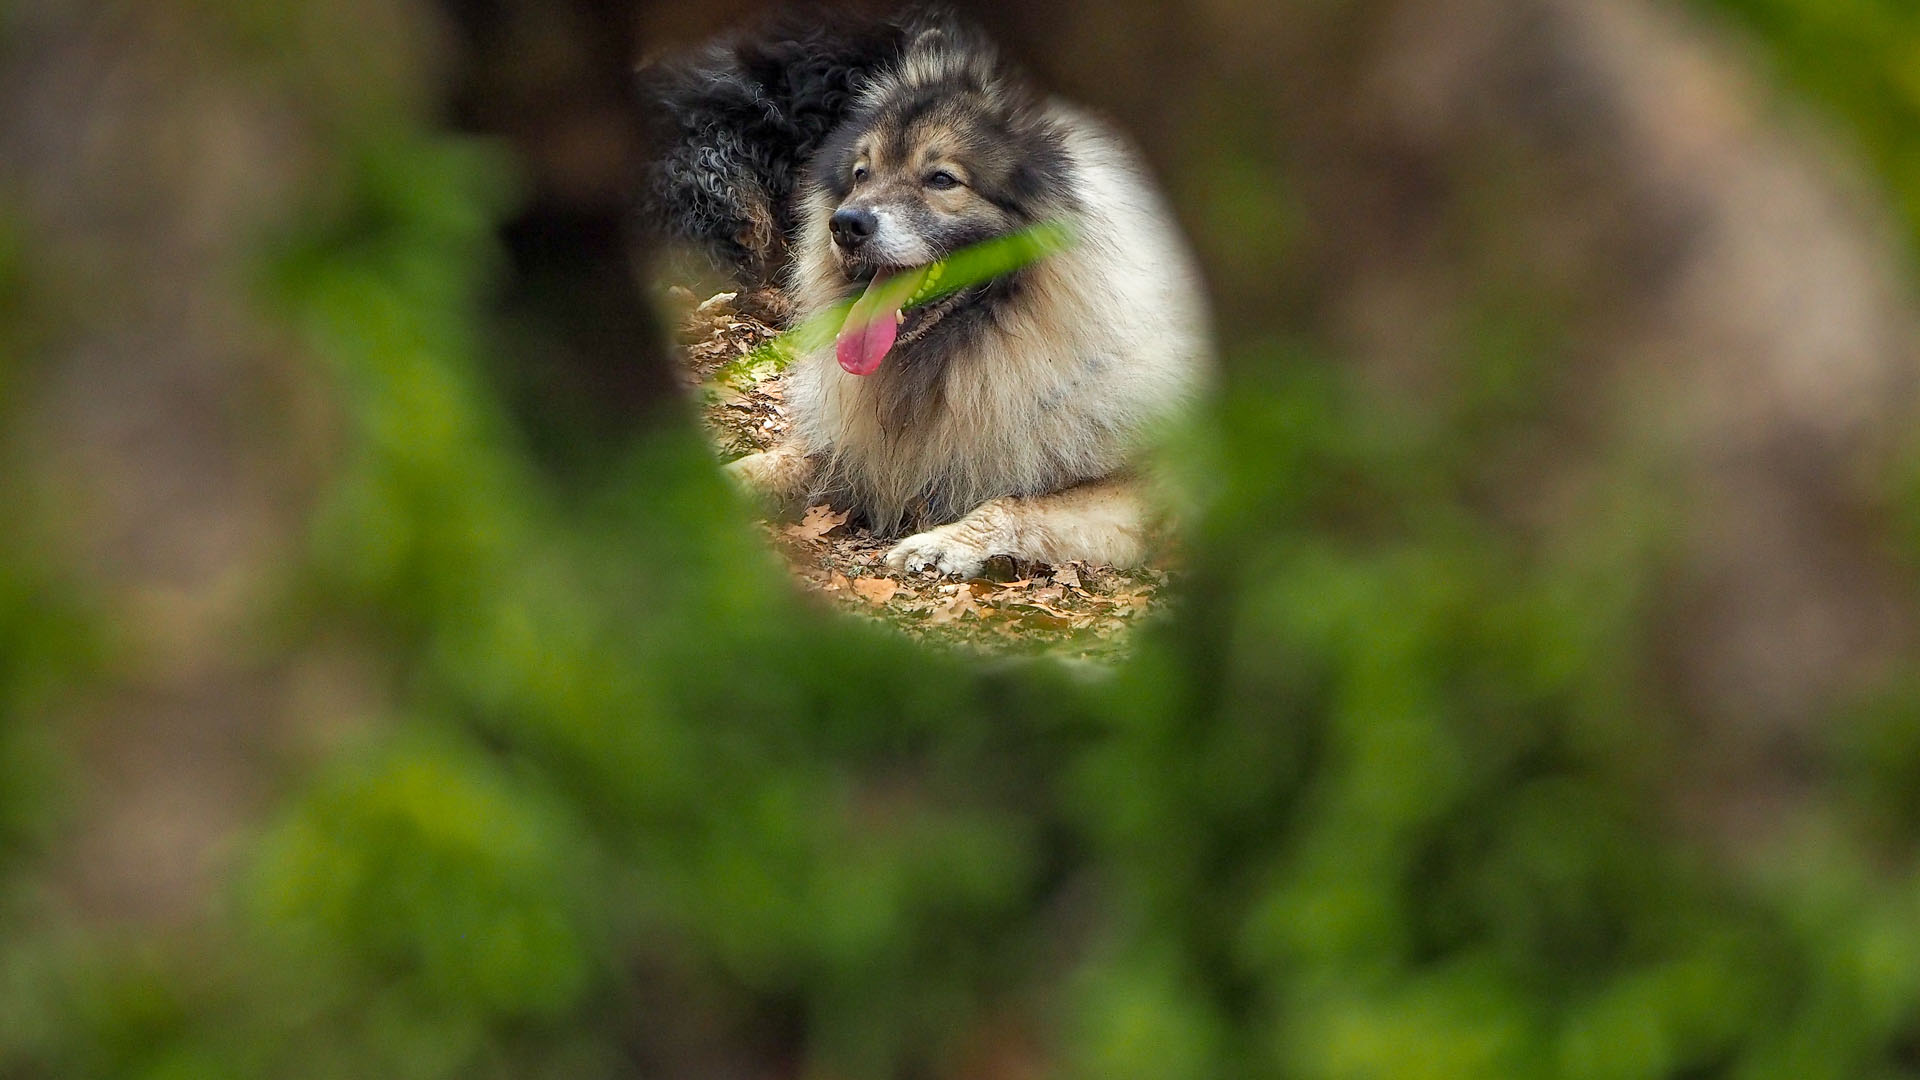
944	151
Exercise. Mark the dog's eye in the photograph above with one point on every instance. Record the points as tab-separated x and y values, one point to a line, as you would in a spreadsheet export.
859	173
942	180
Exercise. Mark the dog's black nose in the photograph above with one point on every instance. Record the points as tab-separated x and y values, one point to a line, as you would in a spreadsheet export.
851	228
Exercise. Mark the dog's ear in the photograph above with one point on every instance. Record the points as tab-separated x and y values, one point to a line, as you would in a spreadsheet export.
1041	179
930	27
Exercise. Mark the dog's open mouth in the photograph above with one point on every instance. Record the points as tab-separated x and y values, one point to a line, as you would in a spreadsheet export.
880	316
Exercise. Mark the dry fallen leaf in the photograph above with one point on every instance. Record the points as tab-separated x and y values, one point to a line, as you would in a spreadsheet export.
818	522
877	590
837	583
961	604
718	302
1048	608
1065	574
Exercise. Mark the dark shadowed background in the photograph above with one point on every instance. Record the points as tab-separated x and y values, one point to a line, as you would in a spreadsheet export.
389	686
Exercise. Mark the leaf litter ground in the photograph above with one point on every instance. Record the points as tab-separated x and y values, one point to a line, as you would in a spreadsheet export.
1073	609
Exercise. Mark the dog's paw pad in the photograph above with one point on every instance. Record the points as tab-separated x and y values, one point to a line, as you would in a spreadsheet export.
934	550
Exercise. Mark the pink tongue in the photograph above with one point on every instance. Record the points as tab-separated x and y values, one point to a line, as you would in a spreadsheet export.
869	330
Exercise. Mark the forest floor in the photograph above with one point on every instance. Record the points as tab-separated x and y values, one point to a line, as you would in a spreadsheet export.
1073	609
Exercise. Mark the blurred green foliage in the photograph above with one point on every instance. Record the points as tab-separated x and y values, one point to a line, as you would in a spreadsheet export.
1860	59
48	643
1380	799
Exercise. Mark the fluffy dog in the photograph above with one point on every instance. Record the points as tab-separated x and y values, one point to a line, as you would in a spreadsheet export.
1006	417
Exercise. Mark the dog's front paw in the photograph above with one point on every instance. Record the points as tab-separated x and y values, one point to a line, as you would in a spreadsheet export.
779	473
749	474
945	549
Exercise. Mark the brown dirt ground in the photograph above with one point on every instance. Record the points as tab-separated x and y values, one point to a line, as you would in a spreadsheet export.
1074	609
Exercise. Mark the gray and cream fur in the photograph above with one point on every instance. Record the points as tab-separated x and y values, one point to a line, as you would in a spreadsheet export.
1009	417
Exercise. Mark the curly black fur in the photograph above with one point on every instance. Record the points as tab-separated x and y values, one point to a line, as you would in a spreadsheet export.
737	122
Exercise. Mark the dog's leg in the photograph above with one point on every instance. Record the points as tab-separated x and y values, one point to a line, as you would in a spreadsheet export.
1100	522
783	473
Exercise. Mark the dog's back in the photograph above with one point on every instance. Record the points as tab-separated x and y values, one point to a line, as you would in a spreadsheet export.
735	123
